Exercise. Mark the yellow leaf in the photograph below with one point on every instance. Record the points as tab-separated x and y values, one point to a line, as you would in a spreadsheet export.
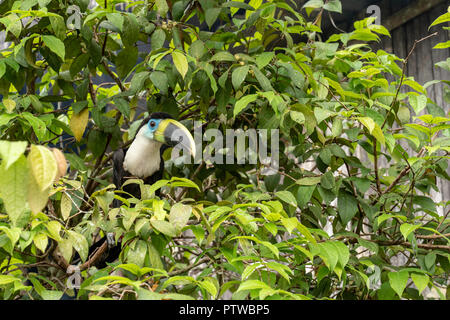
367	122
13	188
9	104
61	162
65	206
43	166
78	123
180	61
40	241
378	134
37	198
65	249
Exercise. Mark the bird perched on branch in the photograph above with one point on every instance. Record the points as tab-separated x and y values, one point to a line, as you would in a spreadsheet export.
143	160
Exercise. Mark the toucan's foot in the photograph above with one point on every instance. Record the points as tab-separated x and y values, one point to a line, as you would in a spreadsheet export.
110	240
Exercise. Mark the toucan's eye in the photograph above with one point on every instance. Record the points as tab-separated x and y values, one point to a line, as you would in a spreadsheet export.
152	124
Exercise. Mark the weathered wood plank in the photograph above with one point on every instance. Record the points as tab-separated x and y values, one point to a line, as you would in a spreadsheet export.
410	12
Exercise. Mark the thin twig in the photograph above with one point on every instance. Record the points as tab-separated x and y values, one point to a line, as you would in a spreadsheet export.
405	62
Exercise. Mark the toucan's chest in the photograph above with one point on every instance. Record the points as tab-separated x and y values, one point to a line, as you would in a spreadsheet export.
143	157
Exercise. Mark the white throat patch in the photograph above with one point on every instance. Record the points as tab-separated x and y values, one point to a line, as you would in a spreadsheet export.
142	158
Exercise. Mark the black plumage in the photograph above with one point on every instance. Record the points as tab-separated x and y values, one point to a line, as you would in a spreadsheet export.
120	175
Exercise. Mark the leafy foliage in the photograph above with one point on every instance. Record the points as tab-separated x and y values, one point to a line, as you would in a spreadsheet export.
331	223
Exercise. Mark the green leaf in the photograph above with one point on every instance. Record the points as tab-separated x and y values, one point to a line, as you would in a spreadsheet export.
10	151
66	249
162	6
372	246
79	243
154	256
334	6
238	76
304	194
407	228
79	63
327	180
404	115
308	181
138	81
164	227
329	254
342	251
211	15
123	106
65	206
367	122
297	117
40	241
398	281
13	235
180	61
287	197
249	270
426	203
209	286
2	69
55	45
313	4
179	215
5	279
130	33
13	24
126	60
289	223
223	56
310	119
378	134
197	49
236	5
322	114
183	182
157	185
116	19
253	284
157	39
43	166
243	102
37	198
262	79
420	280
418	103
13	188
305	232
441	19
347	207
58	26
264	59
136	254
37	124
442	45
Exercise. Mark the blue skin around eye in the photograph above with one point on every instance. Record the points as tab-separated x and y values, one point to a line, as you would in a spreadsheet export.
153	129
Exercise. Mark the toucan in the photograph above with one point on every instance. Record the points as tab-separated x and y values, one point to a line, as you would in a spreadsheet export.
143	159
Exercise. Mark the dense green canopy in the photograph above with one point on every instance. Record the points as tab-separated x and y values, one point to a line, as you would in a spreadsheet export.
331	222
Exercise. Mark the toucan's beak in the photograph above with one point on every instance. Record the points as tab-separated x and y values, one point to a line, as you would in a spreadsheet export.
173	133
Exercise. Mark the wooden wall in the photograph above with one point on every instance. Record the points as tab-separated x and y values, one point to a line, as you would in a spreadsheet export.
421	63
